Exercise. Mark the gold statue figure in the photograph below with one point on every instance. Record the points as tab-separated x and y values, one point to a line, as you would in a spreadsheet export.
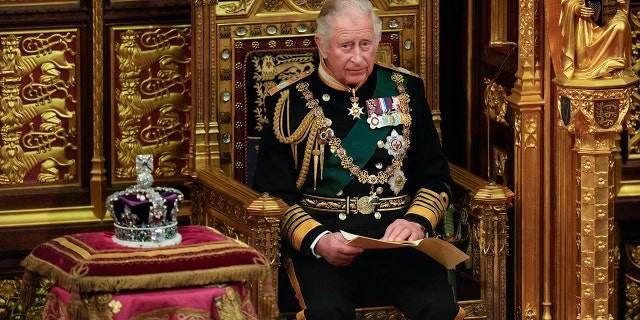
590	50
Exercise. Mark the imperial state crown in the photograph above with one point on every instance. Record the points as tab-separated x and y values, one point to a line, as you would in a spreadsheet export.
145	216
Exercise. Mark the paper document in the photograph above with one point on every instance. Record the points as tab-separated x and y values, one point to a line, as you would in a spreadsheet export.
442	251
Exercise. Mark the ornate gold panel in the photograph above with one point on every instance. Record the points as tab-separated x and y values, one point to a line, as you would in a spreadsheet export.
634	120
631	257
39	109
151	98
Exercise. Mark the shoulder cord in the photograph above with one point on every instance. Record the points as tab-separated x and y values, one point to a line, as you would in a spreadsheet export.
307	129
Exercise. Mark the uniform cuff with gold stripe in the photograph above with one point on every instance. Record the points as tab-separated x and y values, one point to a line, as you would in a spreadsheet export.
300	229
428	205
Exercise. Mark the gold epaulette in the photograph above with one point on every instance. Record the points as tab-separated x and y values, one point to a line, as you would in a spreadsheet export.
285	83
398	69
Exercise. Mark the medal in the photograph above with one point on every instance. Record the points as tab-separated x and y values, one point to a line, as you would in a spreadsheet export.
355	111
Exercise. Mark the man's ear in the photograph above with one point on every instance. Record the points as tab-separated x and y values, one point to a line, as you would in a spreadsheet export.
320	46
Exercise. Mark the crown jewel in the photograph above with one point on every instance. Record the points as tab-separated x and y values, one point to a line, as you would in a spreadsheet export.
145	216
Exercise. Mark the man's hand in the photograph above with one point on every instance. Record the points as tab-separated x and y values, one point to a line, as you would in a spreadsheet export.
333	247
586	12
402	229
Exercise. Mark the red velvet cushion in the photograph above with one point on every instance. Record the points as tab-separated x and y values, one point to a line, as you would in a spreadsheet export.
93	262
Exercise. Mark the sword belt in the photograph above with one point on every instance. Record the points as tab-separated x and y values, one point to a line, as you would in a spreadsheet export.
361	205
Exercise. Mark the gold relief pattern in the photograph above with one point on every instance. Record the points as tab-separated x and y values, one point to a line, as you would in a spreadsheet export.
633	253
632	298
38	108
634	120
495	98
530	130
499	166
527	34
529	313
517	128
631	281
152	98
583	107
13	307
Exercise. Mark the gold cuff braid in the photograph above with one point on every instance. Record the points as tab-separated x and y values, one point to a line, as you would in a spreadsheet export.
296	224
429	205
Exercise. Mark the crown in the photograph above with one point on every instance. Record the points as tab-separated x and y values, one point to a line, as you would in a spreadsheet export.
145	216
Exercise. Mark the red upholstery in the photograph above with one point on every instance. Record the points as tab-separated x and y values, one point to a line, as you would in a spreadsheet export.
90	262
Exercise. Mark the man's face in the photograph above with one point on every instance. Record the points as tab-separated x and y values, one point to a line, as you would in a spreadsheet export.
351	52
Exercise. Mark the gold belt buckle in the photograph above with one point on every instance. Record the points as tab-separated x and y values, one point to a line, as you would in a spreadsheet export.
365	205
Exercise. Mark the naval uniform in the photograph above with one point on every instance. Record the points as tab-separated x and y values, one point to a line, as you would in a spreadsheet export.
355	159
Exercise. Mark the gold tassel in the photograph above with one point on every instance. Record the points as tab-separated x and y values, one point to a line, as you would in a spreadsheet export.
75	307
322	161
316	153
28	290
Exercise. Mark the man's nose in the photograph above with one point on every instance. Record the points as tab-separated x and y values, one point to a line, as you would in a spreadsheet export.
357	55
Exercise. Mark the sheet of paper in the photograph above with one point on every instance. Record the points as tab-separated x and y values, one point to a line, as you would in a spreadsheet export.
442	251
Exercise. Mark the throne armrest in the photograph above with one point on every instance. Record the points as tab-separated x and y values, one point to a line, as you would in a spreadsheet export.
489	220
241	212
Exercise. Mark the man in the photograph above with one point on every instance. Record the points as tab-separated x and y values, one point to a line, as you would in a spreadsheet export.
352	147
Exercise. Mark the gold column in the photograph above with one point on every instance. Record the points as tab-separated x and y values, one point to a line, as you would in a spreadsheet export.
529	173
204	150
595	112
98	183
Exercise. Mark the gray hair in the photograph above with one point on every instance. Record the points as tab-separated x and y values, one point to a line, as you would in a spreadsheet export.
335	8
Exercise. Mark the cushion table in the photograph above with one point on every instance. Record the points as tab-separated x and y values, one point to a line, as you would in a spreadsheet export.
202	277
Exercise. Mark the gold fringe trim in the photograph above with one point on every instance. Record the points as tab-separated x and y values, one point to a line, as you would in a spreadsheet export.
146	281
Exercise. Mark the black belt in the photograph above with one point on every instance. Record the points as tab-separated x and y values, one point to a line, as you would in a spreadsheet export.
361	205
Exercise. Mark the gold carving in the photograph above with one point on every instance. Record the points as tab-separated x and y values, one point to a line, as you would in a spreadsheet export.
15	305
495	98
152	98
233	7
529	312
530	130
634	120
632	298
583	102
499	166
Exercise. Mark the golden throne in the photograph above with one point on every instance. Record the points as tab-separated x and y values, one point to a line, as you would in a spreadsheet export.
241	49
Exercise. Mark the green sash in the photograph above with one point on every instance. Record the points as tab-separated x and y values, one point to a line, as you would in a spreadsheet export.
360	143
